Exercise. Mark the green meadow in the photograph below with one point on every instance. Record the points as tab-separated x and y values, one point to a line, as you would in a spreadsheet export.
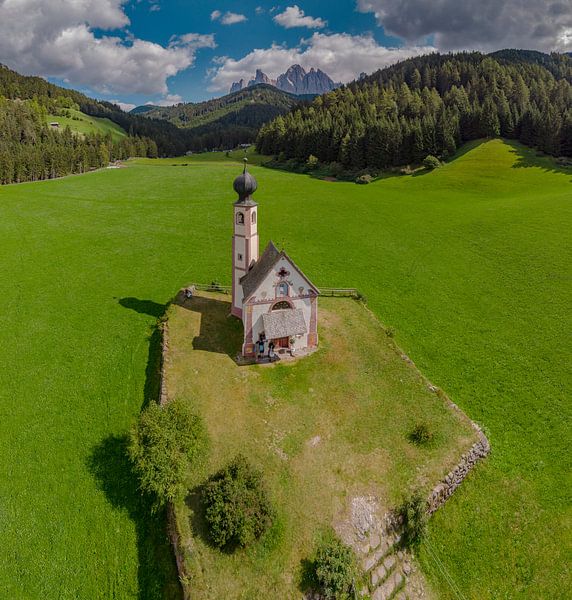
469	264
81	123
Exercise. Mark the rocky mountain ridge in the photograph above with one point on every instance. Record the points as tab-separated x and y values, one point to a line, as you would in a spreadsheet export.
296	80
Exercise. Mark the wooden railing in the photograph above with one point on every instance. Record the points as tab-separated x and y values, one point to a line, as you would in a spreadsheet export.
340	292
324	291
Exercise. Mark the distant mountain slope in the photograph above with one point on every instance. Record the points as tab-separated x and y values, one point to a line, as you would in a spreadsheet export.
83	124
296	80
141	110
227	121
429	105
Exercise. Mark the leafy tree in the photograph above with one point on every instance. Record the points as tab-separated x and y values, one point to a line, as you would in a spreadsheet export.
334	568
414	514
165	445
237	507
431	162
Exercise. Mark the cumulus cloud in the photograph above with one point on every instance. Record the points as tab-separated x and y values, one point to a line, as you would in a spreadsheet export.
168	100
56	38
479	24
228	18
342	56
294	16
124	106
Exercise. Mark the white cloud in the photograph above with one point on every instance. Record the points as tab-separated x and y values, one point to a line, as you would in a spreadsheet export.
294	16
125	106
478	24
342	56
168	100
231	18
55	38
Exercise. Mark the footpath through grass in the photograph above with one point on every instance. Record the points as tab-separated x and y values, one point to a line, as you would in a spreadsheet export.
469	264
324	430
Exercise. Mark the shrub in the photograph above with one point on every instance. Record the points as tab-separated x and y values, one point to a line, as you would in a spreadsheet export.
414	515
335	169
312	162
431	162
237	508
364	179
421	434
334	568
164	445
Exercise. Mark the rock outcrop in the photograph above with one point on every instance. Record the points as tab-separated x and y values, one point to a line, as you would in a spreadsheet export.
296	81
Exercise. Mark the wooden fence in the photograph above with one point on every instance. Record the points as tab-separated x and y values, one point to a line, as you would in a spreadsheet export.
324	291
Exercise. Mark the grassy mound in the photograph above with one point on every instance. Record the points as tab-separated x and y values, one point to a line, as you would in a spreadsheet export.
323	430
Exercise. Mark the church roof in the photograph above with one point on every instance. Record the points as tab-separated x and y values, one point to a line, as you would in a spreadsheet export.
271	255
284	323
256	275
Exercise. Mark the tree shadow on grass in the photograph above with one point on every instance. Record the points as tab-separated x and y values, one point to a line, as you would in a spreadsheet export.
157	573
529	157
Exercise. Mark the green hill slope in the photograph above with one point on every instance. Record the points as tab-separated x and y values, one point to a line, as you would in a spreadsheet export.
82	123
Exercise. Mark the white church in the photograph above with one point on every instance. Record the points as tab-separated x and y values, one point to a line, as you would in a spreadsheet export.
277	303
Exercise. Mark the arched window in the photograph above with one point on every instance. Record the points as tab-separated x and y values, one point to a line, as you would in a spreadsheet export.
281	305
282	289
239	218
253	216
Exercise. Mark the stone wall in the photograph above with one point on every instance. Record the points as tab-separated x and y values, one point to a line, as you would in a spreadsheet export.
172	530
443	490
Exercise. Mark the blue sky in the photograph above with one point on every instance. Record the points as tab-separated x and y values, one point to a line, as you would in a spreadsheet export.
168	51
159	21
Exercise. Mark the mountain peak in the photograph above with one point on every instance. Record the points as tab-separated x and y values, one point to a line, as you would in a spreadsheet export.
296	80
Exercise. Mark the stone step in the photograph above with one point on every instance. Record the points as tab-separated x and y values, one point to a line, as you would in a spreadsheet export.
379	551
389	588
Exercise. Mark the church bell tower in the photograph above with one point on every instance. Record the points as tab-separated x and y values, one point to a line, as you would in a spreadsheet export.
245	236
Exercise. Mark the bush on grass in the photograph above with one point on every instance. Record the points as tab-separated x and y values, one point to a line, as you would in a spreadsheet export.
312	162
334	568
236	504
164	445
364	179
431	162
414	514
421	435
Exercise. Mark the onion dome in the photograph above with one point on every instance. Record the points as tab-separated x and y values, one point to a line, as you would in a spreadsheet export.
245	185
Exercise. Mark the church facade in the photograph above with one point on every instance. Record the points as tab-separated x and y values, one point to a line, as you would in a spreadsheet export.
277	303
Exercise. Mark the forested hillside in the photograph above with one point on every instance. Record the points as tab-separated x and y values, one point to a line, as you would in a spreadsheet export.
227	121
170	140
431	105
30	150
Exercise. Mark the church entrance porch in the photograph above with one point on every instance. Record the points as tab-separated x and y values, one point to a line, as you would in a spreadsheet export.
283	342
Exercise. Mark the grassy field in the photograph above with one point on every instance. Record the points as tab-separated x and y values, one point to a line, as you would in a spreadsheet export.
324	430
469	264
82	123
